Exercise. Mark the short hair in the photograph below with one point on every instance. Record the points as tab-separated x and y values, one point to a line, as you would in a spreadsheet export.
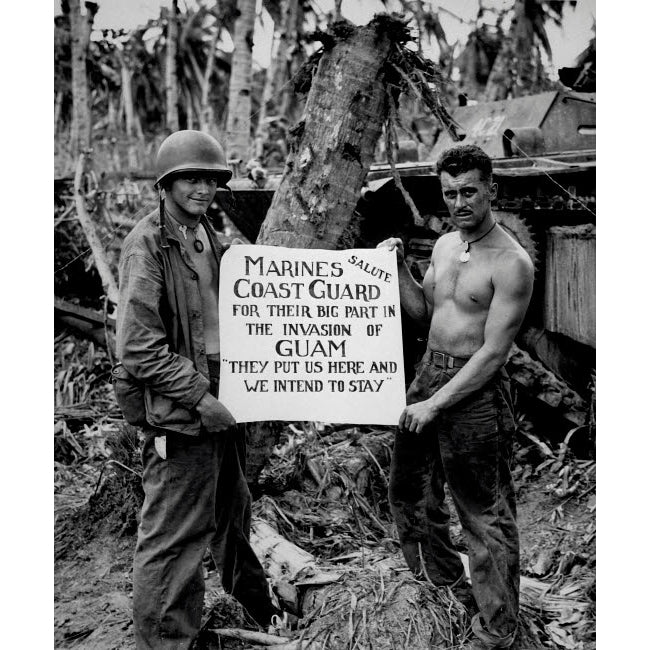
463	158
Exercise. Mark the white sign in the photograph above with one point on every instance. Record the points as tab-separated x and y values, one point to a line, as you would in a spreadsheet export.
311	335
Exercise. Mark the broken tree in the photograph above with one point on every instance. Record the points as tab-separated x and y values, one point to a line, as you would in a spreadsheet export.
333	144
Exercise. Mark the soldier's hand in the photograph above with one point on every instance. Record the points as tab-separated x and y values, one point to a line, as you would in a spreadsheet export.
214	415
415	417
393	243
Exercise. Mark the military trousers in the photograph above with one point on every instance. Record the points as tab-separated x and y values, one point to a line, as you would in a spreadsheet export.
468	447
195	498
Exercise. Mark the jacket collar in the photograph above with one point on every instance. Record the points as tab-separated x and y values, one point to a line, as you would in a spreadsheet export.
171	226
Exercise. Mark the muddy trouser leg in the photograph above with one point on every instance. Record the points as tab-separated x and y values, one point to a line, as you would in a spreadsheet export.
176	527
195	499
417	498
475	446
242	574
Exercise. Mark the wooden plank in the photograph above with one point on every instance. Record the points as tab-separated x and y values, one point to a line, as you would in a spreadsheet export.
570	297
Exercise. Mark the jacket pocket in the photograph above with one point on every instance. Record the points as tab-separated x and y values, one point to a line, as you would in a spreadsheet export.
129	394
166	413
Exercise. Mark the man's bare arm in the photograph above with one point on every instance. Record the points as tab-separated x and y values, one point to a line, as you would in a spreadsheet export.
513	285
411	294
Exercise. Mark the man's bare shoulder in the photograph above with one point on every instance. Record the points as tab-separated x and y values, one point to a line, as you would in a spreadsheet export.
513	266
513	255
445	242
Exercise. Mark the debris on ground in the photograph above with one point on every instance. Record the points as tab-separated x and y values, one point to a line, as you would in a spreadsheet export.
322	528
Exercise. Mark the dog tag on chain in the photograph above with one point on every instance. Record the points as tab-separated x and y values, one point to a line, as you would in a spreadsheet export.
464	256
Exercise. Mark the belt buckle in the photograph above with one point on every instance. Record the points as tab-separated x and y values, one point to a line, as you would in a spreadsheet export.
439	359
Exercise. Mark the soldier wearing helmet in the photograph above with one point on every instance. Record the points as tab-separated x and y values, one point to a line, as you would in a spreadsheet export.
196	495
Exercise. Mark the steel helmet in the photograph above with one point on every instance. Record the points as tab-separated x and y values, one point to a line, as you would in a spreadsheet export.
191	151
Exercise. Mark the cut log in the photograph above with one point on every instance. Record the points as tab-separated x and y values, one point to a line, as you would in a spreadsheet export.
281	559
284	561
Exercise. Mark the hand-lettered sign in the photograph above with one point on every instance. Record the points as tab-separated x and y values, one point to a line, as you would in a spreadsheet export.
311	335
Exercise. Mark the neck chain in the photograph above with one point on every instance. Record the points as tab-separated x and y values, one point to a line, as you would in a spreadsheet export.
197	243
464	256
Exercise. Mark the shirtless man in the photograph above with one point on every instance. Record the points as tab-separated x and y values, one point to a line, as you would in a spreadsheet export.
457	426
193	457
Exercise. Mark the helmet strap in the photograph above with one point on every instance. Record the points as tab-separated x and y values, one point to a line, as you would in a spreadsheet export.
161	218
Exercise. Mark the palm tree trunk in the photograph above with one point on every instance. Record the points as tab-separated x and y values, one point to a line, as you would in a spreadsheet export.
267	95
276	95
127	96
337	10
260	131
282	73
239	97
188	110
195	101
499	82
138	126
111	117
333	145
80	26
473	67
206	113
58	103
171	77
512	70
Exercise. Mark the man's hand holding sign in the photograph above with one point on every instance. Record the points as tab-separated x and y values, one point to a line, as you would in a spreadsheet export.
414	417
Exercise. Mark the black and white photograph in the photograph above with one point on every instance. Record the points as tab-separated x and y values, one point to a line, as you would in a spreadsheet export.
325	325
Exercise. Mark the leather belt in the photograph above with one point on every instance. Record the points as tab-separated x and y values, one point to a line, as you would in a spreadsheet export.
442	360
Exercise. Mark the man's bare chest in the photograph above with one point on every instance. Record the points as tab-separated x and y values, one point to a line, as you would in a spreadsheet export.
468	284
204	264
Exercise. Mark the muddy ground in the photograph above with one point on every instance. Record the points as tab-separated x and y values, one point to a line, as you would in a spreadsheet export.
97	493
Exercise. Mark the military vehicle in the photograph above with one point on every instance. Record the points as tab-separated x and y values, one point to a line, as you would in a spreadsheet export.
543	150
